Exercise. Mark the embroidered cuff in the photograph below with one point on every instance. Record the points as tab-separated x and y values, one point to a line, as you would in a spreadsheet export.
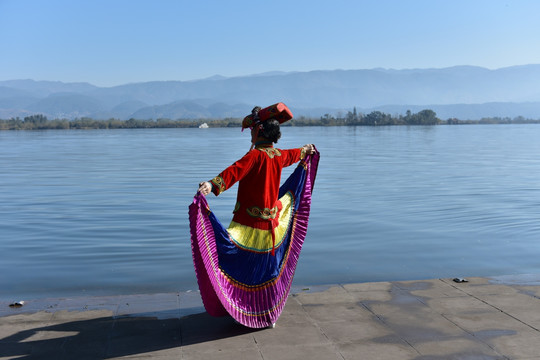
302	153
218	185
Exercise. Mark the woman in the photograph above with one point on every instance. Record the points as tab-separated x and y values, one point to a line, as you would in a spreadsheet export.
246	270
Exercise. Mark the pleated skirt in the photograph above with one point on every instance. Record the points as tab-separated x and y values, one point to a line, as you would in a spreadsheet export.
236	271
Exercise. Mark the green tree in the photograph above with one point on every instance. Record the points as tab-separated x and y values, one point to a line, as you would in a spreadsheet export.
424	117
377	118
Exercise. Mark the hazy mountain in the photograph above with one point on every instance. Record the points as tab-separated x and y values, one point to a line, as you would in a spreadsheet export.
462	91
123	110
66	105
9	92
45	88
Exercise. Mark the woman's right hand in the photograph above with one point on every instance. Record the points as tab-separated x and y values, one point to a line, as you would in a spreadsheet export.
205	187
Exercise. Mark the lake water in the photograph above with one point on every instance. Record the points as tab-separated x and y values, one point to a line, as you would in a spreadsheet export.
103	212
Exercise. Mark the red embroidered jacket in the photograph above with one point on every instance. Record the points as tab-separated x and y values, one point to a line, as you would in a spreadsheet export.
259	176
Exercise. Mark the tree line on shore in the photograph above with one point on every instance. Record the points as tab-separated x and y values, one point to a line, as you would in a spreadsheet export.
352	118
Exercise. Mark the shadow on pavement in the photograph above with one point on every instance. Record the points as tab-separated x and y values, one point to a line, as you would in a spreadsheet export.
108	337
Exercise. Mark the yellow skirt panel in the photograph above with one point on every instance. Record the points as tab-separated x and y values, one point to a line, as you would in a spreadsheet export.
258	240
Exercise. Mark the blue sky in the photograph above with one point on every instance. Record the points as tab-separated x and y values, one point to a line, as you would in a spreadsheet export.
114	42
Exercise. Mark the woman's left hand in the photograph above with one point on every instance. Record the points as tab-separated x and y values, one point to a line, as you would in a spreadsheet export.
205	187
309	148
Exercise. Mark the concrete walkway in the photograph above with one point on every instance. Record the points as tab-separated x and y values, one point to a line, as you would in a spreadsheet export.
484	318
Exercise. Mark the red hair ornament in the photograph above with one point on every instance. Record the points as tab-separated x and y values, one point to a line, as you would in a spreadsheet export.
279	112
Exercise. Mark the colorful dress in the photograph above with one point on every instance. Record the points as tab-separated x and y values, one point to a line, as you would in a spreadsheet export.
246	270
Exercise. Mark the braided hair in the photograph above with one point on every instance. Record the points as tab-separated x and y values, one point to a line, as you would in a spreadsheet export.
270	130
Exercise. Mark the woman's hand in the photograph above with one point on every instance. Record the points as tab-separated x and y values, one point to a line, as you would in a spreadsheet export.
309	148
205	187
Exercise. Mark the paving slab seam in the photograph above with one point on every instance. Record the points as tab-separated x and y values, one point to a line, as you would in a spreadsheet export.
469	332
493	306
315	323
457	325
381	320
400	337
258	347
477	338
472	334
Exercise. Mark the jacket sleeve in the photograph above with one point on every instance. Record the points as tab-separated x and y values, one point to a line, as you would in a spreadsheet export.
233	173
292	156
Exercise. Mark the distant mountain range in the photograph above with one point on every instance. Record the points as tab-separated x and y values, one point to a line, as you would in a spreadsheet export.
463	92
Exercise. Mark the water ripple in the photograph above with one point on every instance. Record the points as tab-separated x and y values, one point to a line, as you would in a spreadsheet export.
106	211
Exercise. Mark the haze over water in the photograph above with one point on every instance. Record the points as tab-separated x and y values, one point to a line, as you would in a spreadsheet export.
105	211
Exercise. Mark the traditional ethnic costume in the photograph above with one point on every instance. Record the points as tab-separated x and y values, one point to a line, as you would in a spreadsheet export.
246	270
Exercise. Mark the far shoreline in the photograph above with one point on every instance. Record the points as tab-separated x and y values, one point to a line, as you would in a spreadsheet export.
425	117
